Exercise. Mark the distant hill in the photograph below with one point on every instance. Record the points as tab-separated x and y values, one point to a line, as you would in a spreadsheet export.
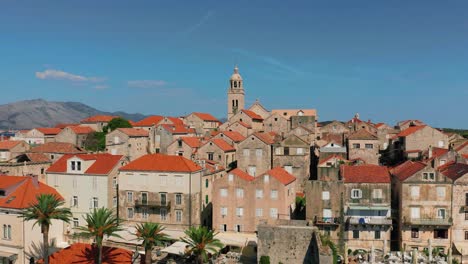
41	113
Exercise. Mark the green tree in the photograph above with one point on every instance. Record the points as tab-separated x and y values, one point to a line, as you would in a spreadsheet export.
202	241
95	141
100	222
47	208
151	235
115	123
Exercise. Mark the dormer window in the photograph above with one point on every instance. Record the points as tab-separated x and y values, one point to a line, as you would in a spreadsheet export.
75	165
2	193
429	176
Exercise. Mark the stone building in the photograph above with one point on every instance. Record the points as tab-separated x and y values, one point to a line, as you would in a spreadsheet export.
39	135
203	123
231	137
186	147
276	123
259	109
402	125
163	135
55	150
255	153
217	150
415	139
27	164
363	145
75	135
10	149
248	117
334	127
384	133
97	122
304	133
131	143
239	127
161	188
356	124
236	94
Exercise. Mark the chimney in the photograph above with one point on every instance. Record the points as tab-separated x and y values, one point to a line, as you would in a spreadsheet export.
35	180
430	152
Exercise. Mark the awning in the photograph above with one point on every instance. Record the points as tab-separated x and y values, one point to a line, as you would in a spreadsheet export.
461	248
357	207
8	255
178	248
237	239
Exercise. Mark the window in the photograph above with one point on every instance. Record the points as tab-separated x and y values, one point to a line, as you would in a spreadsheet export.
286	151
178	199
355	234
441	213
114	182
258	152
278	151
239	211
429	176
252	170
163	180
163	198
224	192
116	140
179	180
76	222
415	212
466	199
273	212
356	145
440	233
259	212
130	197
327	213
326	195
259	194
441	143
231	177
369	146
72	165
466	215
206	183
75	201
144	198
238	228
266	178
224	211
7	231
300	151
289	169
144	213
163	214
377	234
356	194
178	214
240	193
414	191
442	162
414	232
114	201
274	194
94	202
466	235
246	152
440	192
377	194
179	143
210	156
224	227
130	213
78	165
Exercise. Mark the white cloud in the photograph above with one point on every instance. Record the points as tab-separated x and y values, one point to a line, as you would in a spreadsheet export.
51	74
147	83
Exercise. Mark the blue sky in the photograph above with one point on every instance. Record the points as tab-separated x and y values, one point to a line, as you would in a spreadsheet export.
387	60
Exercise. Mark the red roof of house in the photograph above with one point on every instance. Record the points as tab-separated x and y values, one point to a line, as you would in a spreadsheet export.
57	147
193	142
462	146
178	129
49	130
9	144
437	152
37	157
149	121
98	118
80	130
134	132
334	156
206	117
24	190
407	169
252	114
410	130
234	135
242	174
362	134
244	124
161	162
64	125
266	137
365	174
281	175
453	170
223	145
103	163
86	254
212	166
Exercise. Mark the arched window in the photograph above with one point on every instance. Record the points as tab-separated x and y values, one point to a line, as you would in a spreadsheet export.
237	102
235	84
233	103
232	83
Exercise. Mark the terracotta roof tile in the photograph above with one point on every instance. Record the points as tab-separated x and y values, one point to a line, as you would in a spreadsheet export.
244	124
365	174
437	152
193	142
64	125
206	117
134	132
266	137
57	147
149	121
176	121
98	118
161	162
331	157
281	175
454	170
234	135
178	129
80	130
252	114
9	144
410	130
103	163
407	169
462	146
223	145
242	174
362	134
49	130
37	157
24	191
86	254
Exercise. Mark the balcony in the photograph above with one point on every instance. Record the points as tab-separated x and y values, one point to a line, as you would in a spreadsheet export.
427	221
154	203
326	221
369	220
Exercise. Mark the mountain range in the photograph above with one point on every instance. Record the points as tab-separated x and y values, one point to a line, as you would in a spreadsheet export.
41	113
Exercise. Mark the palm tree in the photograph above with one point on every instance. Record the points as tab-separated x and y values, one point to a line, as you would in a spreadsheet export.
100	222
47	208
151	235
201	241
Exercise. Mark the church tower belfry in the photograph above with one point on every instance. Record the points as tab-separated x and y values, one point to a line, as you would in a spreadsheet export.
236	94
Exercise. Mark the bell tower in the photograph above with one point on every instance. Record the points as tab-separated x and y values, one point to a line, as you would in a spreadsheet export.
236	94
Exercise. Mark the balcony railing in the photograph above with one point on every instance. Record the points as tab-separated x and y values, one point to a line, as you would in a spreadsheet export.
369	220
318	220
428	221
154	203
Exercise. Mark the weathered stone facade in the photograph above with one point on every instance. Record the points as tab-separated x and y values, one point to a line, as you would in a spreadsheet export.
131	146
254	155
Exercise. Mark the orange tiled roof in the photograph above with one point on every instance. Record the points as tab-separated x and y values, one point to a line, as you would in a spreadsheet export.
98	118
365	174
410	130
252	114
281	175
206	117
24	191
161	162
266	137
453	170
223	145
242	174
193	142
234	135
176	121
244	124
57	147
9	144
103	163
134	132
178	129
362	134
462	146
86	254
49	130
37	157
407	169
80	130
149	121
437	152
334	156
63	125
